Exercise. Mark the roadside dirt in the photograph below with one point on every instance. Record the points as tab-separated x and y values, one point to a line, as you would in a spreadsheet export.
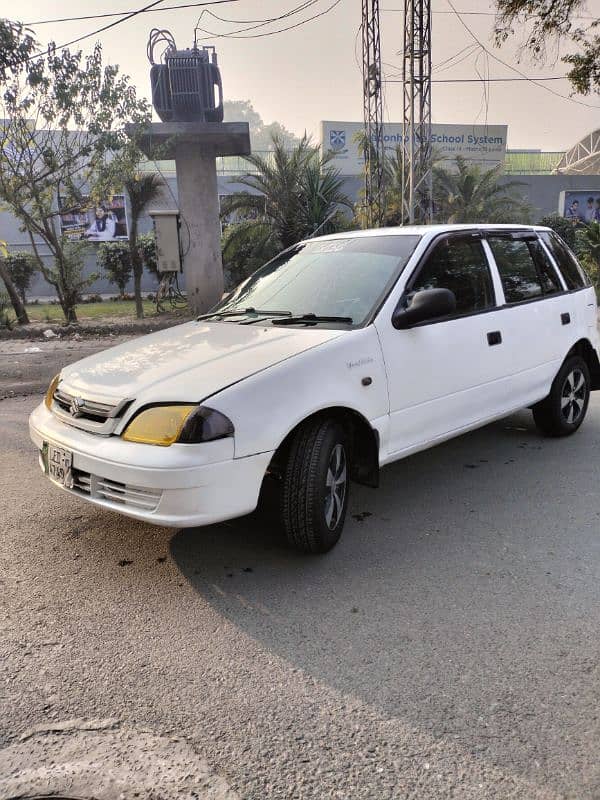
105	326
28	366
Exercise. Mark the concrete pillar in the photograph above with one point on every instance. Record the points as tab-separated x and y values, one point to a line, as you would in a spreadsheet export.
195	146
200	229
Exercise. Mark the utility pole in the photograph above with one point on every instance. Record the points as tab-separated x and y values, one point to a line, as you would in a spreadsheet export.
417	199
373	113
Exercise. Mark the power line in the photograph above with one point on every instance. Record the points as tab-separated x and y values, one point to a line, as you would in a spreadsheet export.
260	23
478	13
447	63
99	30
121	13
487	80
235	34
535	81
290	13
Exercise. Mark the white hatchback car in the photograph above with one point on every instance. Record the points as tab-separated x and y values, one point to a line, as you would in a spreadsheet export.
341	355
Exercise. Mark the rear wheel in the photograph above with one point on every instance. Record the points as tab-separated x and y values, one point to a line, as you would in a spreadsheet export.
315	486
563	411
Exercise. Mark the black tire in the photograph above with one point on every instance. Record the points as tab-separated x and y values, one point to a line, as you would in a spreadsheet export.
313	508
563	411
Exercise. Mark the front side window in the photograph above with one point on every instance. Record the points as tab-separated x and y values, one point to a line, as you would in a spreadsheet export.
461	266
346	277
574	276
517	268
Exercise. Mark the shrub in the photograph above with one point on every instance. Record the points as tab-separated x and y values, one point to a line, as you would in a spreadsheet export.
564	227
21	268
114	259
147	247
6	321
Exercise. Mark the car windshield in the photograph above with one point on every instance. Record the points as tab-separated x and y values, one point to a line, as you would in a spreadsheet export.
346	277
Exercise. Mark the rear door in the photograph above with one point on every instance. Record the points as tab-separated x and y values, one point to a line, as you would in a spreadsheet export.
581	301
536	313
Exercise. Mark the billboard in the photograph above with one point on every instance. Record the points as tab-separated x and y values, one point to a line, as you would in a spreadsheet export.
102	222
581	206
480	144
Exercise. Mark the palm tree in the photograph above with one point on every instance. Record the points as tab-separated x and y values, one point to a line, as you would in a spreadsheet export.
470	194
142	189
293	194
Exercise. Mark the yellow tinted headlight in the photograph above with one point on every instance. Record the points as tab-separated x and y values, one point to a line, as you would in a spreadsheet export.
159	425
50	393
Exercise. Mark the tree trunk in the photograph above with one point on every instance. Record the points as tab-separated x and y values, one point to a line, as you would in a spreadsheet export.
68	303
138	269
137	290
69	312
15	300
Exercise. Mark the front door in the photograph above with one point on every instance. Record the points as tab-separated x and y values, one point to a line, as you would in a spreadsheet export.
446	374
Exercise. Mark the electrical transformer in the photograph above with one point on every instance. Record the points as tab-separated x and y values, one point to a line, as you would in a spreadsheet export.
186	85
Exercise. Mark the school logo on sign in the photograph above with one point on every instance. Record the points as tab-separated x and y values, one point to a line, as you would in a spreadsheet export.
337	139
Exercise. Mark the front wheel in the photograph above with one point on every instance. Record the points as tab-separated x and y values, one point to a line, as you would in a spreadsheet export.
563	411
315	486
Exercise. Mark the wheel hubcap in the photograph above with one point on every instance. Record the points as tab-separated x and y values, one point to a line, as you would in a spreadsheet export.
573	396
335	486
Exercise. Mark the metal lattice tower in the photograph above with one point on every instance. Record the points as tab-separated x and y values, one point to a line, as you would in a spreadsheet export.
416	78
373	113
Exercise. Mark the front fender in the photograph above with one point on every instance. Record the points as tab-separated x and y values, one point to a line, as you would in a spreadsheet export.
266	407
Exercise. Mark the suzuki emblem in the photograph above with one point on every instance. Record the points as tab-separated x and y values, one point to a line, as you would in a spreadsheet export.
77	404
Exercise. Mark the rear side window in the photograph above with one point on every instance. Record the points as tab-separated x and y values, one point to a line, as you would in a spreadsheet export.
461	266
574	276
524	268
546	272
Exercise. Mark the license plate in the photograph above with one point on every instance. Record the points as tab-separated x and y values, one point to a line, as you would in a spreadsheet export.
58	464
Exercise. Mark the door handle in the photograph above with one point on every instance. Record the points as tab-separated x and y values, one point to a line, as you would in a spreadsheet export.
565	318
494	337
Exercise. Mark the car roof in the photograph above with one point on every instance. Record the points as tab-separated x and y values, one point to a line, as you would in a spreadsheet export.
423	230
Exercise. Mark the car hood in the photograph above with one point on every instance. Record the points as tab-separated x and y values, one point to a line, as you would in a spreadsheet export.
188	362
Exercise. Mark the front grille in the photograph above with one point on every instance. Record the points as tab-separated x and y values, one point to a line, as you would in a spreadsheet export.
89	415
88	409
116	492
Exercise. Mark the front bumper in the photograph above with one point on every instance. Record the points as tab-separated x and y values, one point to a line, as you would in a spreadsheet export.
177	486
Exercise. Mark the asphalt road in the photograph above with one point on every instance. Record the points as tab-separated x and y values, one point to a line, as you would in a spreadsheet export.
447	648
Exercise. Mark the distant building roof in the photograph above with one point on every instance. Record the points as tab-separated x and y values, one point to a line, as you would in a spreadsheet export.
583	158
518	162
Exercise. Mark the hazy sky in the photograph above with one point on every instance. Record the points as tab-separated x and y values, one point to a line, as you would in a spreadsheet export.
302	76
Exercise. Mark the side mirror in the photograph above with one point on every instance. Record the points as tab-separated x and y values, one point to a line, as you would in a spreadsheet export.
428	304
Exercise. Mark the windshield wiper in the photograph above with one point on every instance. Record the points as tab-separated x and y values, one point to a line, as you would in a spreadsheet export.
311	318
241	312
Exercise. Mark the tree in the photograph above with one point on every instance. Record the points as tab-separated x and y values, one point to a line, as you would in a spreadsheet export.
21	267
470	194
115	260
17	47
63	114
587	246
294	194
11	290
123	171
261	134
394	180
553	21
142	190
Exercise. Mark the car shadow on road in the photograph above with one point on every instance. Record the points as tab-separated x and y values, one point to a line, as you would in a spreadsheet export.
459	598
